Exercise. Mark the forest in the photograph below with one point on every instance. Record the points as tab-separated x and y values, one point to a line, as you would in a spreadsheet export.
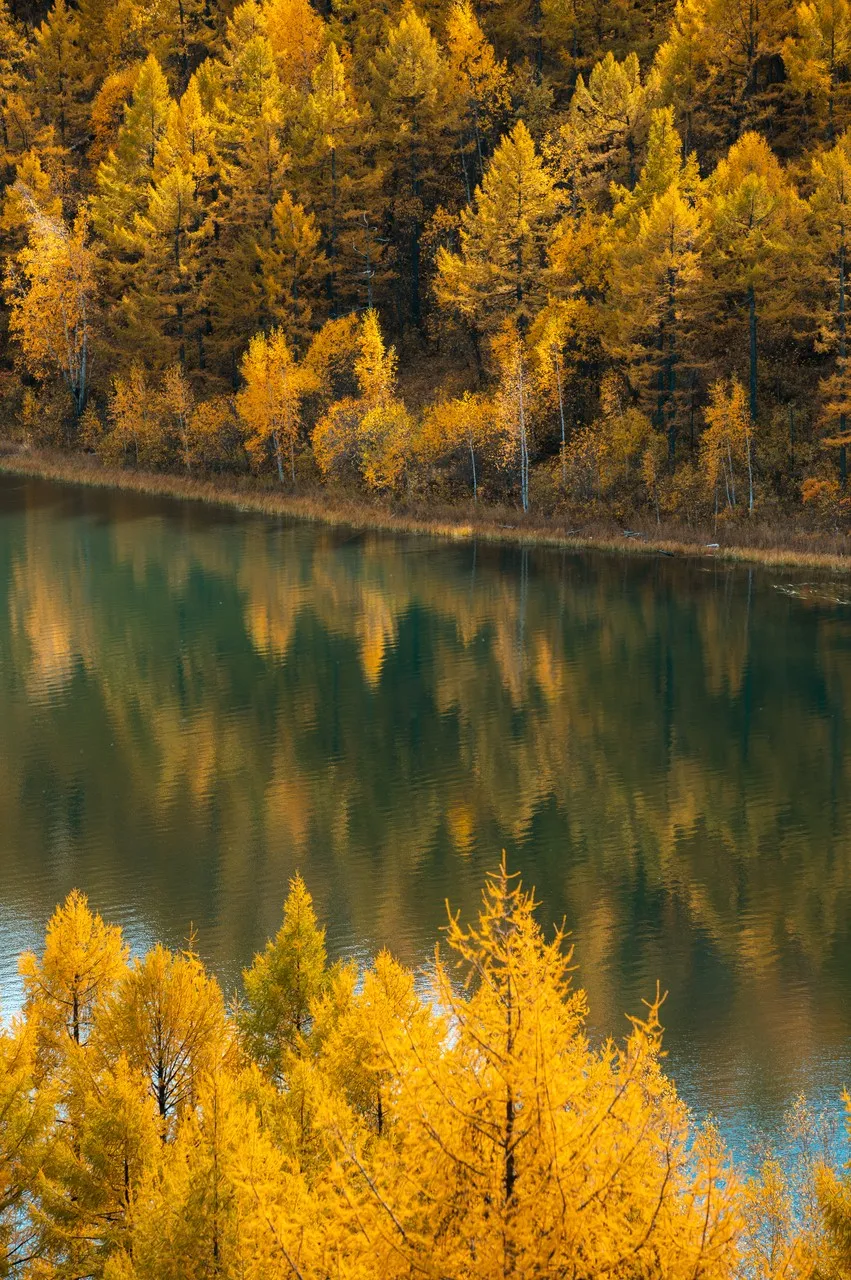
340	1122
568	255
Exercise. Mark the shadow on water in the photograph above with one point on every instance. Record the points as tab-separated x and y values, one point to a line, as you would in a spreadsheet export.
195	702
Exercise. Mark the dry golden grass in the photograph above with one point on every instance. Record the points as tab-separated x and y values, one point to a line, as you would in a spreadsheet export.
780	546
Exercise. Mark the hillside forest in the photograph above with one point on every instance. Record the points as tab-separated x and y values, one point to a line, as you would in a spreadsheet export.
556	253
347	1123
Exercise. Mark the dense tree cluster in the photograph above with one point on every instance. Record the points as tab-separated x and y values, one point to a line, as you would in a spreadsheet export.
607	243
346	1123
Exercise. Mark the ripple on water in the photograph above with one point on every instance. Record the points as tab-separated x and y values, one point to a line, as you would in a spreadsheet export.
194	705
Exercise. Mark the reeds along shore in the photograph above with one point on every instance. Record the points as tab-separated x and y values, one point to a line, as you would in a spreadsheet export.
781	545
416	250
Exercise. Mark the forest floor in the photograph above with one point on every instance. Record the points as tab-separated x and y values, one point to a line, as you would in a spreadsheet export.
784	544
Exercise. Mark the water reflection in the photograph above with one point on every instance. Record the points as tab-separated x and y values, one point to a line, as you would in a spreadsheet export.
193	703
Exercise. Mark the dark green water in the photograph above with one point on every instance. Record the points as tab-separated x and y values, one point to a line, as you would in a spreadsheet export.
194	703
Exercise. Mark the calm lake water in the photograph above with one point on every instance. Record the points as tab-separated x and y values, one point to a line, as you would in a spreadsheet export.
194	703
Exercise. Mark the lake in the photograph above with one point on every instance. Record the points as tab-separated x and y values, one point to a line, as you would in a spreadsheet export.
196	702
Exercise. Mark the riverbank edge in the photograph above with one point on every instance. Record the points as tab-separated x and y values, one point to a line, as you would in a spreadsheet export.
489	524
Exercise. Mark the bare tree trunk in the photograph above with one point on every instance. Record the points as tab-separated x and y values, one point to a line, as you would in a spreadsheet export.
750	468
561	419
524	447
752	330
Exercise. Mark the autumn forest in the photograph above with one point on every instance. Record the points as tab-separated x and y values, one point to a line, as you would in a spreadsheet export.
560	254
567	259
346	1122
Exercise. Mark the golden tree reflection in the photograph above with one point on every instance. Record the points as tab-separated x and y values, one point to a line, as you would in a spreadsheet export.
205	702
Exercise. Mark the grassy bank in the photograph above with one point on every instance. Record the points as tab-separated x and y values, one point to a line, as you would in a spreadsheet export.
785	545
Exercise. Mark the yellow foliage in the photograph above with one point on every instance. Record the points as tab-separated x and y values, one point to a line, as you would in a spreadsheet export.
26	1119
467	1127
134	414
513	401
375	367
178	404
513	1147
725	446
499	272
283	982
335	437
212	431
269	406
168	1017
293	265
51	291
468	427
296	35
384	443
372	435
83	959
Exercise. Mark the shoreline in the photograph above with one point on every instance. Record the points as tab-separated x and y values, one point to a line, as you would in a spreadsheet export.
449	523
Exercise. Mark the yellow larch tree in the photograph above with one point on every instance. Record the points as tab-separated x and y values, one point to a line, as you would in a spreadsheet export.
564	334
177	32
26	1120
784	1235
356	1026
375	366
466	430
294	268
283	982
60	74
726	445
252	162
656	278
409	92
109	1139
122	179
177	401
269	405
167	1016
611	113
654	241
135	419
753	215
831	1237
479	85
189	140
500	271
331	140
818	56
162	302
82	961
51	288
191	1215
712	66
16	125
372	433
519	1150
385	429
297	37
